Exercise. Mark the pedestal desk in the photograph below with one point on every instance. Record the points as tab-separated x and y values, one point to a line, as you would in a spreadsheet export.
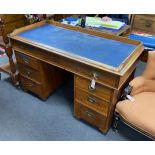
102	64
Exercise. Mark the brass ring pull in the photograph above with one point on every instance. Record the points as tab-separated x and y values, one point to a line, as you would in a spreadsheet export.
90	88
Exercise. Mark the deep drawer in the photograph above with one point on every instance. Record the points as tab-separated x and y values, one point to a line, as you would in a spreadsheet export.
90	115
30	85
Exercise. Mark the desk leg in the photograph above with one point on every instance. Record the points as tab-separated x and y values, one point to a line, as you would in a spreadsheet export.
9	53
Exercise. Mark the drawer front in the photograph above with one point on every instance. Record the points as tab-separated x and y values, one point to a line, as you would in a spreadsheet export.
144	23
92	101
90	115
100	90
27	60
30	85
103	77
30	73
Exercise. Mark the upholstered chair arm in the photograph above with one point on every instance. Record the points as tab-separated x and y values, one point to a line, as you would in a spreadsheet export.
137	85
150	66
141	84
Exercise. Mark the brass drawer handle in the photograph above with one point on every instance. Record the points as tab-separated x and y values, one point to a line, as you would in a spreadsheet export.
95	75
28	72
148	23
31	85
89	114
91	100
26	60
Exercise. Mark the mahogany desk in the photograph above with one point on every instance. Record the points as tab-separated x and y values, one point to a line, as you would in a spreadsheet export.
43	50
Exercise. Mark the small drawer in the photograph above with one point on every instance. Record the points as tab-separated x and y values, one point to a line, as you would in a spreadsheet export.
101	76
27	60
100	90
92	101
30	73
90	115
30	85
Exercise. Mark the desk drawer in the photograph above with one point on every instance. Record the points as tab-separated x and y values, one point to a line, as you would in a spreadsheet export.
90	115
92	101
101	91
27	60
30	85
104	77
30	73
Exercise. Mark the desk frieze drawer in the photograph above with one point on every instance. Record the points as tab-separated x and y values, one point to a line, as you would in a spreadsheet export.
30	85
30	72
27	60
23	47
100	90
90	116
101	76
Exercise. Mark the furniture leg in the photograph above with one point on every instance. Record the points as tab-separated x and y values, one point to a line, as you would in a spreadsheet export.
115	122
9	53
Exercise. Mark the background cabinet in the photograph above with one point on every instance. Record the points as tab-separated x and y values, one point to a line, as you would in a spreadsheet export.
144	23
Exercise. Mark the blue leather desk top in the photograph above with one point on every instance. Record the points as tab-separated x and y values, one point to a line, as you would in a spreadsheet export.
106	51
